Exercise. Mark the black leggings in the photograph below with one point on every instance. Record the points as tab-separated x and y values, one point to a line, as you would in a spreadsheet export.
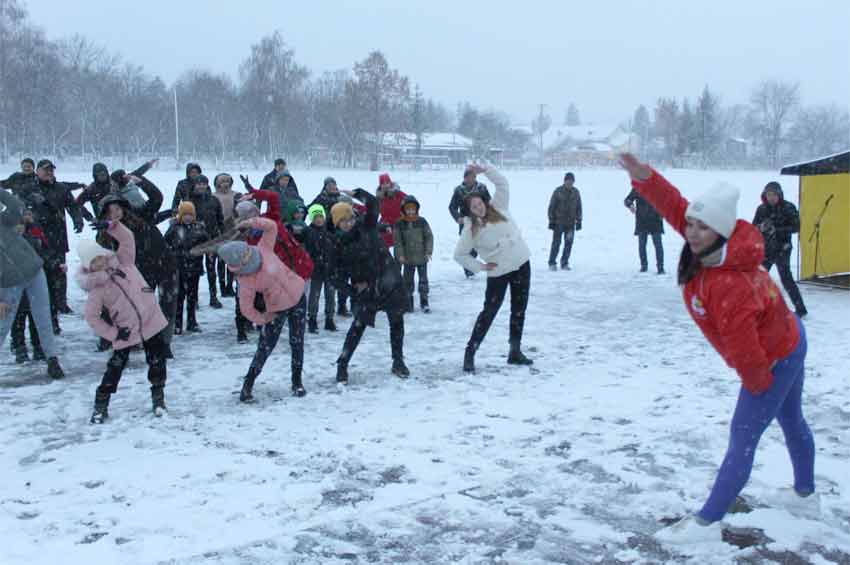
188	293
358	327
270	333
209	263
520	283
154	354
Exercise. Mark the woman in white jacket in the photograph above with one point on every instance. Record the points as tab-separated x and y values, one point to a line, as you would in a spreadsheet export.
490	229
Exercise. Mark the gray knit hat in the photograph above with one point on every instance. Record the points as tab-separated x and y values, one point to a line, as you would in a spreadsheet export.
232	253
246	210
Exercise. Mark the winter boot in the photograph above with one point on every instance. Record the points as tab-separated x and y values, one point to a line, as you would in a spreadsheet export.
661	270
214	303
330	326
565	267
228	291
65	310
166	351
192	323
21	355
553	267
469	358
400	369
38	354
241	336
158	400
312	325
643	268
343	310
298	389
426	309
101	407
54	371
516	356
342	372
801	311
409	309
246	395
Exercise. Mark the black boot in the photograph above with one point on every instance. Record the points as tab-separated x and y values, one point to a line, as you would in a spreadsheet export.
246	395
21	355
298	389
516	356
312	325
343	311
469	358
38	354
661	269
423	305
342	372
214	303
330	326
409	304
192	323
54	371
103	344
241	336
400	369
101	407
158	400
643	268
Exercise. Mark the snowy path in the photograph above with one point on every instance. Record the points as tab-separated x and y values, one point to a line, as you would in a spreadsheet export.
621	424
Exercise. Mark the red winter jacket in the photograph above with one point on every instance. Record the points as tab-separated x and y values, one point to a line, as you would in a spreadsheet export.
286	247
736	304
391	213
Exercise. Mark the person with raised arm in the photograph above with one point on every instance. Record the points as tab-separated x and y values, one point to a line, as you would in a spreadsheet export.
742	313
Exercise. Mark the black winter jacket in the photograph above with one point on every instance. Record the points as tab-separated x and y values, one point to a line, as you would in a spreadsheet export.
181	238
565	207
360	256
270	182
457	206
208	211
319	244
49	202
776	224
647	218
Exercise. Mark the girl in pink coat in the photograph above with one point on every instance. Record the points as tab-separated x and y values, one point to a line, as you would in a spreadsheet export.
114	285
259	270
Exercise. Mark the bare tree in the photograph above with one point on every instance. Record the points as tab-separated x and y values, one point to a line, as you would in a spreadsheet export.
773	103
819	131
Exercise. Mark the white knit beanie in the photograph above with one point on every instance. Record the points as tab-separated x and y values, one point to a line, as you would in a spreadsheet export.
717	208
89	250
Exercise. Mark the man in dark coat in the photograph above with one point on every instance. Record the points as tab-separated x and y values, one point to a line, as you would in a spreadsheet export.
457	205
564	221
361	263
183	191
777	219
211	215
270	181
104	184
49	200
648	222
21	178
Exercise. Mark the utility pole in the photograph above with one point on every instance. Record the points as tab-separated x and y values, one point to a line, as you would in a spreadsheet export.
176	131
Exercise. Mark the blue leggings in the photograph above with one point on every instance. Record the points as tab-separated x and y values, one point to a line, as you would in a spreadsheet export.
753	414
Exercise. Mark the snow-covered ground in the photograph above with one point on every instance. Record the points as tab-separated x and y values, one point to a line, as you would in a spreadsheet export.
621	425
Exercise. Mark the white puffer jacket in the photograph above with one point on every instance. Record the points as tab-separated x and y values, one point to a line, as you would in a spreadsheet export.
500	242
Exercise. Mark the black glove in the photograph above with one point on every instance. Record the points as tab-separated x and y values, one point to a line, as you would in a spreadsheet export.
100	225
78	228
578	226
87	215
551	225
123	334
245	182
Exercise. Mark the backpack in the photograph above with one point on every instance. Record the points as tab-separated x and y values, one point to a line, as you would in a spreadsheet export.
297	257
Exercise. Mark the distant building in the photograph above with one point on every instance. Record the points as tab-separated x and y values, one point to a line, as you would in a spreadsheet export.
589	144
435	149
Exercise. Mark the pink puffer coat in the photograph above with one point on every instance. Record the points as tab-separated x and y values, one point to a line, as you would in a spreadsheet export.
121	289
280	286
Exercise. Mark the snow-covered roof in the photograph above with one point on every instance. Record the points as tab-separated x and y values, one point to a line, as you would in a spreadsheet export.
557	135
436	140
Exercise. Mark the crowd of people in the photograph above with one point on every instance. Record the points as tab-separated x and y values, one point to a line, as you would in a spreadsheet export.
276	255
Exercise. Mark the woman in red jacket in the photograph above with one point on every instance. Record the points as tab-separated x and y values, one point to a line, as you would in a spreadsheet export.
742	313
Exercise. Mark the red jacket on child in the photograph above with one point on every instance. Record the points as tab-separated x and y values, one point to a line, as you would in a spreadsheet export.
736	304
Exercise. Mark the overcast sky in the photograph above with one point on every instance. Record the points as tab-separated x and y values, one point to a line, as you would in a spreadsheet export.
607	57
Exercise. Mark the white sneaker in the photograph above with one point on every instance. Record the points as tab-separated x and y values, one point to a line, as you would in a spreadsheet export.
688	531
806	507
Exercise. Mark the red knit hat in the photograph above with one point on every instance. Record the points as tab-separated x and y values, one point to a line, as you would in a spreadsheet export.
385	179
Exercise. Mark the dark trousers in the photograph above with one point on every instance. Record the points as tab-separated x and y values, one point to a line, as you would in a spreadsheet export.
409	273
472	253
154	354
316	286
188	294
782	260
270	333
342	297
225	276
659	250
567	233
358	327
520	283
57	286
19	326
169	290
209	264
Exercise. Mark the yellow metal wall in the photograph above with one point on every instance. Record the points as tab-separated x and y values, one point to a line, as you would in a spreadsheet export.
835	225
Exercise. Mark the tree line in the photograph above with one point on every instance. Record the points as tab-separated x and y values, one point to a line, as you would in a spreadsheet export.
73	98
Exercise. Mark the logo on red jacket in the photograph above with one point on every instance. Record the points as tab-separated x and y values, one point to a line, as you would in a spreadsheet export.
697	306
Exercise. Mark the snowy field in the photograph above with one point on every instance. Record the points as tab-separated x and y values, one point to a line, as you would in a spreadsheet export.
619	428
